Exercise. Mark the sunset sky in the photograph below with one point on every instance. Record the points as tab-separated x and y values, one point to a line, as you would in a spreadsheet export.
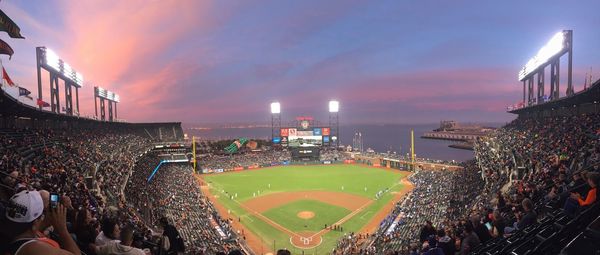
225	61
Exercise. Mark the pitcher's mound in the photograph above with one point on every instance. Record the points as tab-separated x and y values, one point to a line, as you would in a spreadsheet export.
305	215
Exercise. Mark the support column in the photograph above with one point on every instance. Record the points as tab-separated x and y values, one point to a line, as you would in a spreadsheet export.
540	83
96	106
38	53
555	80
110	111
68	99
570	90
524	93
77	99
102	110
54	94
530	95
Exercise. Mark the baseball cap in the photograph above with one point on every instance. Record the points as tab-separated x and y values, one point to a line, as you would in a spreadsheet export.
25	207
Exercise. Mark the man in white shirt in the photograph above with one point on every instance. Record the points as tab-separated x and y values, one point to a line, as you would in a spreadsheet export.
110	232
123	248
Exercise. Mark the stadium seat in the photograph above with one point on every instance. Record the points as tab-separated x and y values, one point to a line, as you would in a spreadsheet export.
582	245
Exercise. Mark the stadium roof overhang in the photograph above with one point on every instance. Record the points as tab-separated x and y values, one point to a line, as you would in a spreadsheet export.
588	96
12	107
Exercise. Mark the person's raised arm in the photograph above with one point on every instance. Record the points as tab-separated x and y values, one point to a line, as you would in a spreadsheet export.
58	217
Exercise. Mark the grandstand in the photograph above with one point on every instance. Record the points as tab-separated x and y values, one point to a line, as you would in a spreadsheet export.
102	168
81	185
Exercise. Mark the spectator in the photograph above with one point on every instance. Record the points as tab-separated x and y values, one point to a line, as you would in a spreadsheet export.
174	238
433	248
470	241
498	224
85	231
24	215
577	201
110	232
480	230
123	247
427	231
445	242
530	217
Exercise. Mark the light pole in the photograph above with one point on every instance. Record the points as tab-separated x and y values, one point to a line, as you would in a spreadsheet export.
275	119
334	123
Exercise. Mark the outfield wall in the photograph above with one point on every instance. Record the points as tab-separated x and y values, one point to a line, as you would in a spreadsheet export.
283	163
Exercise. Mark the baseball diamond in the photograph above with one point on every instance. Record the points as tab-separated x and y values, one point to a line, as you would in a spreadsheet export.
305	208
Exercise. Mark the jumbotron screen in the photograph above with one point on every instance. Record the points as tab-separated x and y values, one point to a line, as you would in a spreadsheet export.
304	137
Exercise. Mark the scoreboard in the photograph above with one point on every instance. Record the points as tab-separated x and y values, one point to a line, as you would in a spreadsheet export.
304	137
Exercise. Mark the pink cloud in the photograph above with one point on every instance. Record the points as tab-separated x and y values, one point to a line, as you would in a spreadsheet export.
124	46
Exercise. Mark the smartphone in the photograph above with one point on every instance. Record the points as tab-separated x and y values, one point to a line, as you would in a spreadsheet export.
488	225
54	199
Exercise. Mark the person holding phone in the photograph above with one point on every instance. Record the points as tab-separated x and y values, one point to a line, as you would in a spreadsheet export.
24	215
576	200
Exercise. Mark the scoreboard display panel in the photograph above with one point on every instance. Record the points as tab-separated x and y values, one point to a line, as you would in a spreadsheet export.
304	136
305	141
305	153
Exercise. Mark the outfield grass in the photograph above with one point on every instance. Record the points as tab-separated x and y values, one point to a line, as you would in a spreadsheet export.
353	178
324	214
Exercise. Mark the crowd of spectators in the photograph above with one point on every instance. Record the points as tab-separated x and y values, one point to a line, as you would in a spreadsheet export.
406	157
266	157
523	174
173	193
87	169
247	159
439	198
333	155
527	166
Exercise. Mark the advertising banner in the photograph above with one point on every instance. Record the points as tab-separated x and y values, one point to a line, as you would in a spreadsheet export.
292	132
284	132
316	131
326	131
303	133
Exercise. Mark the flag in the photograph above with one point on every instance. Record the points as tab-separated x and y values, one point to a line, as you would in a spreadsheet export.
6	49
41	103
24	92
7	78
9	26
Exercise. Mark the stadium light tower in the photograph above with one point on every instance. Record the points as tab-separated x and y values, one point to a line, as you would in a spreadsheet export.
275	119
334	123
560	44
58	69
334	106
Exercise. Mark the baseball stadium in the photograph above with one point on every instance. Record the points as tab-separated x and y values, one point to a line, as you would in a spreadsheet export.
289	128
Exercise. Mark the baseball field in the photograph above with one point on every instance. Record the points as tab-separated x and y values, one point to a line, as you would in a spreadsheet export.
294	207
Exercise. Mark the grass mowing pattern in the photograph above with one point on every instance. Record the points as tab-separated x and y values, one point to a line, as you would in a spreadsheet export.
354	179
285	215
